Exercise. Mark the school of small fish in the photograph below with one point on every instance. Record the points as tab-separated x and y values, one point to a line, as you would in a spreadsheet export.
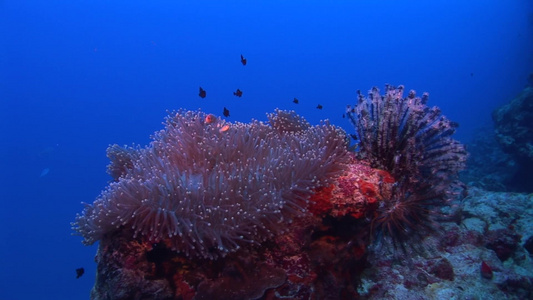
238	93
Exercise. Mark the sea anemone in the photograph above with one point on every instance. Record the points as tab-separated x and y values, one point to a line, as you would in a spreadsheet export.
413	142
207	187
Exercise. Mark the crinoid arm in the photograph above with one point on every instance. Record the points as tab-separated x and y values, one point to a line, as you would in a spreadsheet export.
413	142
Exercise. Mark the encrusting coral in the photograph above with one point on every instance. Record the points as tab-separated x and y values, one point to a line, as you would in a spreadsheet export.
413	142
208	187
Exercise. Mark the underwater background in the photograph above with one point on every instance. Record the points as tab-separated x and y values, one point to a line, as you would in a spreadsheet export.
76	76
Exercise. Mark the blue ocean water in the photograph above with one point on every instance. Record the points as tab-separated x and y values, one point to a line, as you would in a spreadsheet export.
76	76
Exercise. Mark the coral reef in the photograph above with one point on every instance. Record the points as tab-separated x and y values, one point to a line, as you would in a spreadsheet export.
413	142
324	257
281	210
208	187
320	255
514	133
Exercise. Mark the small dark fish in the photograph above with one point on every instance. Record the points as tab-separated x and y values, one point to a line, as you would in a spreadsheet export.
343	116
238	93
319	106
79	272
226	112
243	60
202	93
353	136
295	100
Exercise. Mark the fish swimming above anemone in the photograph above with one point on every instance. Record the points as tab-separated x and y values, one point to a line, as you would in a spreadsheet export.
238	93
202	93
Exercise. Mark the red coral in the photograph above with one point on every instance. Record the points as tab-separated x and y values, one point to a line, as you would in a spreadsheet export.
183	288
368	190
346	185
359	251
486	270
321	201
241	281
355	193
442	269
386	177
503	241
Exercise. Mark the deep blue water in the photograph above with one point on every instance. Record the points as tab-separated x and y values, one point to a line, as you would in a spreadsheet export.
76	76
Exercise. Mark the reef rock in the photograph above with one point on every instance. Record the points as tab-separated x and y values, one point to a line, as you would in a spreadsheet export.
514	132
464	262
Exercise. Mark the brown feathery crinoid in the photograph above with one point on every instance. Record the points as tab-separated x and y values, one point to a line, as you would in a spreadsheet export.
208	187
413	142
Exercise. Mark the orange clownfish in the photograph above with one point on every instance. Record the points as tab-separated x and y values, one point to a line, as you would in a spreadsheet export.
224	128
210	118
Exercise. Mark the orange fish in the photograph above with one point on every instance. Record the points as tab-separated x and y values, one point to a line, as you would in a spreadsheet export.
202	93
224	128
210	118
243	60
238	93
